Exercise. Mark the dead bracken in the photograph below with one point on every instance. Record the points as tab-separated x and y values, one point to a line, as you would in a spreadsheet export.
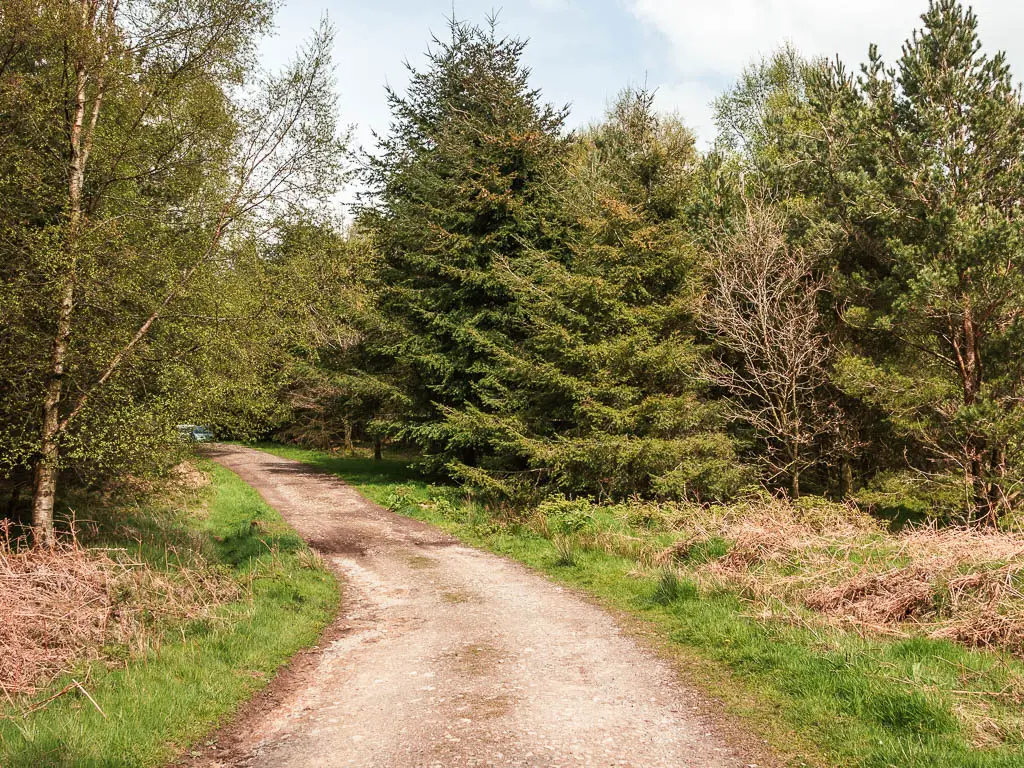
961	584
69	603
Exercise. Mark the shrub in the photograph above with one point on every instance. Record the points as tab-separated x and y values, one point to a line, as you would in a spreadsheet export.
567	517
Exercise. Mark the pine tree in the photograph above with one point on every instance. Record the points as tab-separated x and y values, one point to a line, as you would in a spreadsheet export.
462	200
935	163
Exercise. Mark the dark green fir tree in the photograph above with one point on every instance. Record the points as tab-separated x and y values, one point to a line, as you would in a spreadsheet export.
462	199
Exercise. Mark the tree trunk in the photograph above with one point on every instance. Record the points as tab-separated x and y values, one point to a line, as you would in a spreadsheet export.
970	364
846	479
793	452
44	489
348	437
378	453
48	463
984	510
1001	502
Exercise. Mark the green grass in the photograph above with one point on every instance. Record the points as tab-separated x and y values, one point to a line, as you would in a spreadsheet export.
198	674
820	696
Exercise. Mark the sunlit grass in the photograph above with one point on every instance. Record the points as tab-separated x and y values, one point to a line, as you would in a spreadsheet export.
191	679
820	695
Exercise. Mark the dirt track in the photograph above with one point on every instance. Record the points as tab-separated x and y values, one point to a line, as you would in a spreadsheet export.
447	656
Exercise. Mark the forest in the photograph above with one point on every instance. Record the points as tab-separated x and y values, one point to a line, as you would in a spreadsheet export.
764	394
827	301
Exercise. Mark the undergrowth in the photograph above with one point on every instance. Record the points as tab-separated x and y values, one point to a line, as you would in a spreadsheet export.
220	592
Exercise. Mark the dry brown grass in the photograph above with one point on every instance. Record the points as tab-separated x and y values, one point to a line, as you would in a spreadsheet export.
62	607
187	476
958	584
882	598
834	562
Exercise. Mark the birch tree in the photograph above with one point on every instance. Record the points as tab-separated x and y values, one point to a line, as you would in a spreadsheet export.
174	150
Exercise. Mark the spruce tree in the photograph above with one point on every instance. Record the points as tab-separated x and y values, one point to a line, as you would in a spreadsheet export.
604	398
462	197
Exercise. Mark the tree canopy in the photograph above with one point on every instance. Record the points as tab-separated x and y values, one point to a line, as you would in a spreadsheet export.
826	301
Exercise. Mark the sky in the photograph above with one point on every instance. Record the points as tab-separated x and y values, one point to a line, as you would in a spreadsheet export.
583	52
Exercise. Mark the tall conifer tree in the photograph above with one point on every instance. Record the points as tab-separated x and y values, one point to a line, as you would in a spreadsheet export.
463	199
604	398
937	162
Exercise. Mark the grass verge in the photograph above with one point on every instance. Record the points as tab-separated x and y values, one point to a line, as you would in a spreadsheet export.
821	695
159	699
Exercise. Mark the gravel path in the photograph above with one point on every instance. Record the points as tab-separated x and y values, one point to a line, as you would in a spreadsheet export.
444	655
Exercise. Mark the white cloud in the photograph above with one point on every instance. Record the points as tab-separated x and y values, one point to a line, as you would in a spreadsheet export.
710	41
720	37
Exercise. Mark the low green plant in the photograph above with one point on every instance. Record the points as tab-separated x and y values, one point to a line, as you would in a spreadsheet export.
399	500
670	588
566	517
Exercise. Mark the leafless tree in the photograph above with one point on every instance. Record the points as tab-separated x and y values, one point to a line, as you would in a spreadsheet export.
762	309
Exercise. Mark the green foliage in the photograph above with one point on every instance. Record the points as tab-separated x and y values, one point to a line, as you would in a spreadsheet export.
541	321
934	286
131	248
455	220
325	324
566	517
567	551
600	397
763	117
831	294
827	295
907	497
399	501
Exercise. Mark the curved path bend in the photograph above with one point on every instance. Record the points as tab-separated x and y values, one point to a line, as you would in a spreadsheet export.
444	655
